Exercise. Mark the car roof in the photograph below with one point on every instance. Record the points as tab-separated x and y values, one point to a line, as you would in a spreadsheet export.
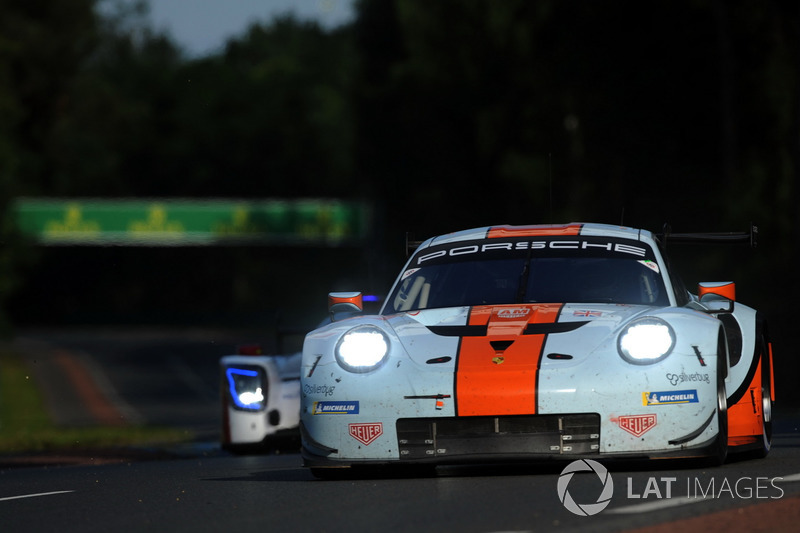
542	230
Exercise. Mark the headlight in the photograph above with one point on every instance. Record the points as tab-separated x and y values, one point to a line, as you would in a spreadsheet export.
362	349
646	340
247	387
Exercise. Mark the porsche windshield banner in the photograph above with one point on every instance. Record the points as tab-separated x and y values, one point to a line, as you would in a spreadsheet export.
538	247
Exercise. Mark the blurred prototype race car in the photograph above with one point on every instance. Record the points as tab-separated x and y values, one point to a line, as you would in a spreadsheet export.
260	393
515	343
260	397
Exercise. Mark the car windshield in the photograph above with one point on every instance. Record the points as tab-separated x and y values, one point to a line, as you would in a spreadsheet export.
586	270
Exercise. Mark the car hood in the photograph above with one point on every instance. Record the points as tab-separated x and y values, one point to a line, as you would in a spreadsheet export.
576	330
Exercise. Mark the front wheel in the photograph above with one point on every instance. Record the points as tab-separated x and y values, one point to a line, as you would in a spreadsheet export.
721	444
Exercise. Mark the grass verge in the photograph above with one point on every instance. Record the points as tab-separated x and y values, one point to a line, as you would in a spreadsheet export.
25	425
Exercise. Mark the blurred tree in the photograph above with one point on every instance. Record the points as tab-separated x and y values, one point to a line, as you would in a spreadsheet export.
535	111
270	117
489	112
455	117
42	44
116	117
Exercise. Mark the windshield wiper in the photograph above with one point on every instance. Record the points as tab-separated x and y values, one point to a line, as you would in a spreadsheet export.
523	278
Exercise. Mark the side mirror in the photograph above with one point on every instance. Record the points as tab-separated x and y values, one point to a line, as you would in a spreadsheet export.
724	289
717	296
345	302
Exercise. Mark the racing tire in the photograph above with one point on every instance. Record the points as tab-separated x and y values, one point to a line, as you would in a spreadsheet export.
765	443
721	443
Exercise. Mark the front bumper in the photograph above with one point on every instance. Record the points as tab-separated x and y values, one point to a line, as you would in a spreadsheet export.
519	439
602	408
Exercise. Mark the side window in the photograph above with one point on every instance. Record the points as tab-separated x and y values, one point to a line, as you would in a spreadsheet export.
412	294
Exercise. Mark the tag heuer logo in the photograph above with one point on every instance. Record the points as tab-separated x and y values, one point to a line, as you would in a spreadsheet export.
366	433
637	425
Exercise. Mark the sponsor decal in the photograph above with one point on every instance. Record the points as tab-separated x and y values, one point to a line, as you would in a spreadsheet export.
637	425
652	265
408	272
699	355
335	408
438	397
588	314
514	312
366	433
683	377
534	245
669	397
324	390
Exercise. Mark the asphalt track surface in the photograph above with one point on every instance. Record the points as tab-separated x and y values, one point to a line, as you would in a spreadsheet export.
163	378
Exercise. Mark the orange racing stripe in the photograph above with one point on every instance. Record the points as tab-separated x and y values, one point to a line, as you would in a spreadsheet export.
534	231
497	374
744	417
771	375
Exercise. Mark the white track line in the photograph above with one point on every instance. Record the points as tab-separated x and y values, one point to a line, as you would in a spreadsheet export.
35	495
787	479
654	505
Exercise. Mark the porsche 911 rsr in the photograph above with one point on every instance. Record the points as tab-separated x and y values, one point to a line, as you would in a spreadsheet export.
515	343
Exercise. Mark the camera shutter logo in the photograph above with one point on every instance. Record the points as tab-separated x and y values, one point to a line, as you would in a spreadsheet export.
586	509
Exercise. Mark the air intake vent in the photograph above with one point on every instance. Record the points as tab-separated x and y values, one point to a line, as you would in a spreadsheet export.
514	435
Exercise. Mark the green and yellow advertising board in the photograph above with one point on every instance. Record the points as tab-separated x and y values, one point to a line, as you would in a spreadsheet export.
189	222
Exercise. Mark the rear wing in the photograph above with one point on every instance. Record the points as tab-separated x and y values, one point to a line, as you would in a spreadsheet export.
745	237
411	244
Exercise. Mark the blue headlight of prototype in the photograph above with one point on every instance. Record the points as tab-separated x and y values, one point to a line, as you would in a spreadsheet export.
362	349
247	387
646	340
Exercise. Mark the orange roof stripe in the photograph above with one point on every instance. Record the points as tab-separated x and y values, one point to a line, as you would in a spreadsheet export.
534	231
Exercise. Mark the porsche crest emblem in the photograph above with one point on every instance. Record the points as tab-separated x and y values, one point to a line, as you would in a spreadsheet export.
498	360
